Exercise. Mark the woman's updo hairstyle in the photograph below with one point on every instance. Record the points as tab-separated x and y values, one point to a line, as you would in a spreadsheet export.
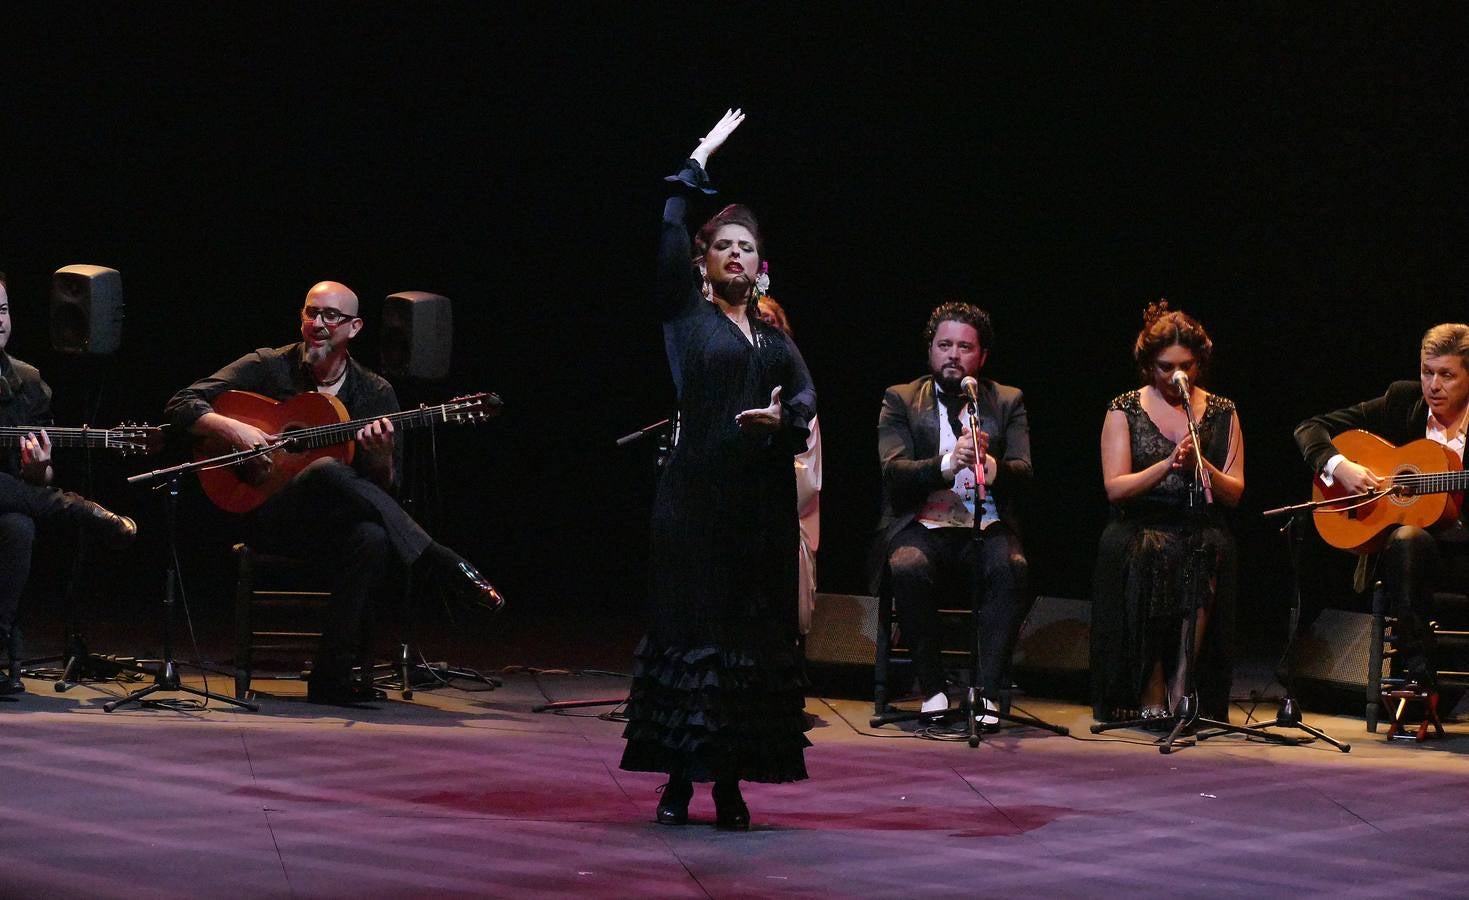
1163	328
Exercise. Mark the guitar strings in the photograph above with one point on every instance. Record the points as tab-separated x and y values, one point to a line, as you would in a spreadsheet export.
329	434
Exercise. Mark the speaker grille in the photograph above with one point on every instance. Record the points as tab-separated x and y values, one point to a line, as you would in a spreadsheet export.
843	630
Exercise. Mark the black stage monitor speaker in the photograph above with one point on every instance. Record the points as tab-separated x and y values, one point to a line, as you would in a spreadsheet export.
86	309
843	630
1333	652
1055	637
1053	650
842	645
418	334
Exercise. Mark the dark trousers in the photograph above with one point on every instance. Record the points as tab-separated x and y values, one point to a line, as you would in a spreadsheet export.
22	506
331	515
1413	565
930	565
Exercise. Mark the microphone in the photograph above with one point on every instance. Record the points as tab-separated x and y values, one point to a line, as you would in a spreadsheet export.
1180	381
970	386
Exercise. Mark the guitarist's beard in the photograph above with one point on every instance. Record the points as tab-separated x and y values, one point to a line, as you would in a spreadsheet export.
317	354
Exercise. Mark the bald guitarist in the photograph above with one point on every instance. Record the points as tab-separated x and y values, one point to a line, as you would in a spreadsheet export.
339	516
1436	407
26	497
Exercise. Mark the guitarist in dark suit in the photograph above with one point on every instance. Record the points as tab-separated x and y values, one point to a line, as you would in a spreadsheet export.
1436	407
930	498
344	516
26	498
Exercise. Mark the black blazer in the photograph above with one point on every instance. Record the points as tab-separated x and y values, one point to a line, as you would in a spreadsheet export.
908	449
1399	416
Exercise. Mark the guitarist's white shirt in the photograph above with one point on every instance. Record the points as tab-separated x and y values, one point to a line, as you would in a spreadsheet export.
1432	432
1440	435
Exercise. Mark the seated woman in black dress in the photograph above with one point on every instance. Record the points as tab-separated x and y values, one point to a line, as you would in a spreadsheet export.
1164	552
718	691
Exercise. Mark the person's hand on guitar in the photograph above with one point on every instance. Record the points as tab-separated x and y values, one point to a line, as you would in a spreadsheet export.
232	433
241	435
1356	479
376	439
235	436
375	442
35	457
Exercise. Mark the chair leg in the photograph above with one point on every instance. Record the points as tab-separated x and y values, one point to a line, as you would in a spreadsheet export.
880	669
1374	657
244	594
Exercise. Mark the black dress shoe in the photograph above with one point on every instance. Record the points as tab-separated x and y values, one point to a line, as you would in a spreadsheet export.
673	806
10	682
471	588
114	531
730	811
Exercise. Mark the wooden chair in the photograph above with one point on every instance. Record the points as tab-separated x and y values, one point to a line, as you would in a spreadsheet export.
279	603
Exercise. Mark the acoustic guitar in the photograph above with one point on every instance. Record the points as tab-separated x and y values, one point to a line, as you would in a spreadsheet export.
125	439
312	426
1425	481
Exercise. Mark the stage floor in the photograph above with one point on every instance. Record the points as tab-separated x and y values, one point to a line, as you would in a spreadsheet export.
471	794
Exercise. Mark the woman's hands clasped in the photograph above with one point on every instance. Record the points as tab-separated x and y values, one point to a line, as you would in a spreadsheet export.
1183	454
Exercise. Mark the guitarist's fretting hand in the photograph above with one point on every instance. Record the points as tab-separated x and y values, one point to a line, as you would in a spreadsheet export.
375	441
35	457
1356	479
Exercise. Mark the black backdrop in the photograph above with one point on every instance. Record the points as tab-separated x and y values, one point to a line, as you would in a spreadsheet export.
1292	180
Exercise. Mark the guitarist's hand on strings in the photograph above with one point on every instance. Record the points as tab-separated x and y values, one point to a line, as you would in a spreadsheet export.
233	433
376	440
35	457
375	449
1356	479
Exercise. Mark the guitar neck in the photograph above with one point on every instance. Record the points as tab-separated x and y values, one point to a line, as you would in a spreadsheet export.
1434	482
340	432
11	436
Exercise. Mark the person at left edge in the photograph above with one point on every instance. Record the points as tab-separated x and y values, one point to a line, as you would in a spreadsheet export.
26	497
344	517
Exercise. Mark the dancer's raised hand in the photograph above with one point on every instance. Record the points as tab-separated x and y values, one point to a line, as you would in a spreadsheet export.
716	136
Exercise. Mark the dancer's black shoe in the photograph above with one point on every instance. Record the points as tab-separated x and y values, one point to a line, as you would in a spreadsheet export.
673	806
730	811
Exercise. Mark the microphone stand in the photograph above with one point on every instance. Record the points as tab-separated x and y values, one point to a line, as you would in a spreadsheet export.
1185	712
1289	715
660	428
167	676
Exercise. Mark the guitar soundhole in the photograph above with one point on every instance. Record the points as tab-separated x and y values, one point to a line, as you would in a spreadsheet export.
1407	498
285	432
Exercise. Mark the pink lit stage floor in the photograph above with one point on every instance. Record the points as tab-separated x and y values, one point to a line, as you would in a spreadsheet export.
463	794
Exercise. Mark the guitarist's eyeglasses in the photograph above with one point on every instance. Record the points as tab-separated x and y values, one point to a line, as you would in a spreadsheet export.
331	318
